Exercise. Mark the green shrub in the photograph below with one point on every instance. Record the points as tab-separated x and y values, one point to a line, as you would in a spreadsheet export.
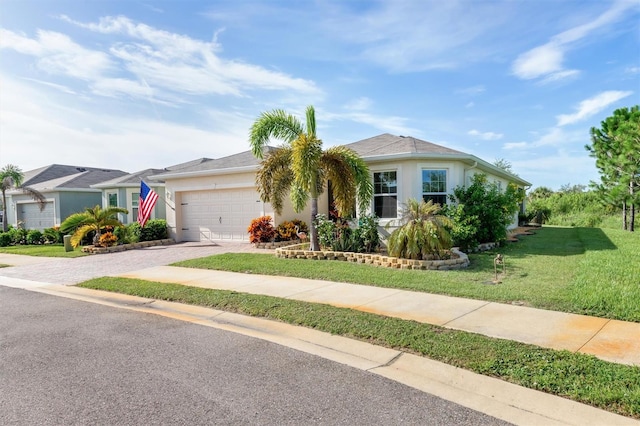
5	239
326	229
52	235
340	236
155	229
368	233
34	237
493	208
18	236
464	230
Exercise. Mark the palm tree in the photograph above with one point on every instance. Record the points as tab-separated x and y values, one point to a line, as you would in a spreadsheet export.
422	231
11	177
92	219
302	168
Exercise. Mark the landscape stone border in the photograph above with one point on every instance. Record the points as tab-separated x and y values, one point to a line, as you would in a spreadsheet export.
458	259
123	247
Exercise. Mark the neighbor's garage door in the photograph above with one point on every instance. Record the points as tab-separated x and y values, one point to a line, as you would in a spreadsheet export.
33	218
219	214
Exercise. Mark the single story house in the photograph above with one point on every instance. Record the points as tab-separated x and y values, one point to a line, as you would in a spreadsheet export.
67	189
218	199
124	191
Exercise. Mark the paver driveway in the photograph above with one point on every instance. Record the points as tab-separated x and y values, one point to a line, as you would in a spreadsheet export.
75	270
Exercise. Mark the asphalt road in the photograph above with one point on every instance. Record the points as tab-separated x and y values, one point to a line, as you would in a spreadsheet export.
68	362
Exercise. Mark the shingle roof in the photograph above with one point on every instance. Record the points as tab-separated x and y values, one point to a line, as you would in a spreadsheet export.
242	159
387	144
57	176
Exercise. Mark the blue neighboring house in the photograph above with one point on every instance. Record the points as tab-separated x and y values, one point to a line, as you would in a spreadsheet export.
67	190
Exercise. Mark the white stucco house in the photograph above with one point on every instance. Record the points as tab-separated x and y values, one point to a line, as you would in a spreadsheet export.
217	199
124	191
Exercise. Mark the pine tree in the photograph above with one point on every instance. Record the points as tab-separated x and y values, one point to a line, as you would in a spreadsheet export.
616	148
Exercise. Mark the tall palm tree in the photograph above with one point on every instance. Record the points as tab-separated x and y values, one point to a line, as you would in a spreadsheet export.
422	231
92	219
11	177
302	168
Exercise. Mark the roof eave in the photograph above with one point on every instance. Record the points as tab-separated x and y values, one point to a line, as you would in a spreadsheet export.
201	173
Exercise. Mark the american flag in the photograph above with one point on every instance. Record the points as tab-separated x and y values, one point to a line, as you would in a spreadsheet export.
148	198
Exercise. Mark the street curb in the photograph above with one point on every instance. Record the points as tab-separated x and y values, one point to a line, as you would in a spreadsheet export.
491	396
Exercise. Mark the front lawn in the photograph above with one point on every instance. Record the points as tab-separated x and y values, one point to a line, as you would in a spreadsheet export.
580	377
582	270
45	250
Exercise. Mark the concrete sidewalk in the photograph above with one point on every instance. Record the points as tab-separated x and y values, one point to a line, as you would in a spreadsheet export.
610	340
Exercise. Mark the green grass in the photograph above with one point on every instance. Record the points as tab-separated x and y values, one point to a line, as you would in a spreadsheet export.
582	270
47	250
583	378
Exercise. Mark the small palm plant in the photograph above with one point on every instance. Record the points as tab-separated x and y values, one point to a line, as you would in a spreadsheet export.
422	233
92	219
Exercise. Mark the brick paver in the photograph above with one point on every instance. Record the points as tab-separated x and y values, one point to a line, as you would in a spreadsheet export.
75	270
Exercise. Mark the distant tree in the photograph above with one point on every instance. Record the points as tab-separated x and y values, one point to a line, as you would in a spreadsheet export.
540	192
616	148
11	177
568	188
505	165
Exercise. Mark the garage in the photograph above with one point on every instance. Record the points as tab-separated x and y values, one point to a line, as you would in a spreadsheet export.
223	214
33	218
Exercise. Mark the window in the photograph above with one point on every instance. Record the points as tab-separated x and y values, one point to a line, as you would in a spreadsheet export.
135	198
385	194
434	186
112	199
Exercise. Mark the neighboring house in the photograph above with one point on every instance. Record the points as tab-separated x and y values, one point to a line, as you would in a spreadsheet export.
67	189
218	199
124	191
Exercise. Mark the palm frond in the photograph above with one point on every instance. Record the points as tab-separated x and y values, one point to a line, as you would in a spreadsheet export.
80	233
311	121
306	152
274	177
347	171
273	124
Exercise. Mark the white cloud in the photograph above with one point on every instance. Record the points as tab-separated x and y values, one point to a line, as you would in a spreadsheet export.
542	60
52	130
404	38
359	104
547	60
515	145
58	54
182	64
543	171
560	75
592	106
487	136
471	91
469	105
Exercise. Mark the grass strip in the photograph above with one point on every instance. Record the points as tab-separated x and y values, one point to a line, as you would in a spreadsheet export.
579	270
43	250
580	377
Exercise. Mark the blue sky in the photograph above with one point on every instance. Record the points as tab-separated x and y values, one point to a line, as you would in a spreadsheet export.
132	85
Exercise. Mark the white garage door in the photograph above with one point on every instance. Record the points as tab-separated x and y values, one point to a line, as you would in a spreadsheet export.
219	214
33	218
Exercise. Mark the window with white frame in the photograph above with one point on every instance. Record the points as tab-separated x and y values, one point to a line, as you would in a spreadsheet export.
434	186
135	198
385	194
112	199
